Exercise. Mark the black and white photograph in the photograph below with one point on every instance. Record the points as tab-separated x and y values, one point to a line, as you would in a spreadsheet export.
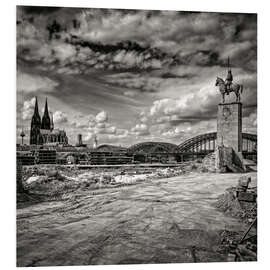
136	136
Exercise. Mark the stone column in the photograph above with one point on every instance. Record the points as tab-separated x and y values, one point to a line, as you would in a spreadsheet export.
229	125
229	137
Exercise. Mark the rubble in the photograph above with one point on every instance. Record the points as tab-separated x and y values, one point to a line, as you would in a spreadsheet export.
231	205
208	163
240	202
37	178
52	181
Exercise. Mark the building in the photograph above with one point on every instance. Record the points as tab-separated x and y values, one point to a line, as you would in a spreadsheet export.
79	142
95	144
43	132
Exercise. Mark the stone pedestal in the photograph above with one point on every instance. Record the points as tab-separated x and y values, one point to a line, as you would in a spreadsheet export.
229	137
229	125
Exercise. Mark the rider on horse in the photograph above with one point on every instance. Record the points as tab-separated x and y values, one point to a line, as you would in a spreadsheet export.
228	86
228	81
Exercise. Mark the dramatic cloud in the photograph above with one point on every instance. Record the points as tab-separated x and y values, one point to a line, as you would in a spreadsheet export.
60	117
99	125
190	105
34	83
118	39
250	123
140	129
130	75
101	117
28	109
142	82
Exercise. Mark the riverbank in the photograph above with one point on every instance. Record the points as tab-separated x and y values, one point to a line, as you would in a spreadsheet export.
53	182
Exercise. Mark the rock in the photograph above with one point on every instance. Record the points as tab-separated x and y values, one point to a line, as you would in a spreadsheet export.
243	182
52	173
245	208
208	163
37	178
246	196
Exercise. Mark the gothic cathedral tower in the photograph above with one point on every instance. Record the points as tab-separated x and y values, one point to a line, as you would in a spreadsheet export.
46	122
35	126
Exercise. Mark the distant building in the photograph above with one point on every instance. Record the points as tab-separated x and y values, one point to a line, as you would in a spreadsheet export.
43	132
80	141
95	144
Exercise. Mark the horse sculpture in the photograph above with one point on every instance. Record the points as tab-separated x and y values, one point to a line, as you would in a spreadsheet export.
234	87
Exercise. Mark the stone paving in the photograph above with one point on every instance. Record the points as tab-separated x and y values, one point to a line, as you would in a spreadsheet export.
157	221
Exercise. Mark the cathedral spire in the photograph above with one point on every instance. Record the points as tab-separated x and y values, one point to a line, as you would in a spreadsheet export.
46	122
35	125
46	112
36	108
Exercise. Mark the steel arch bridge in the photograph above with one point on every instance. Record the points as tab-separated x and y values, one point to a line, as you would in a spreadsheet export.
206	143
153	147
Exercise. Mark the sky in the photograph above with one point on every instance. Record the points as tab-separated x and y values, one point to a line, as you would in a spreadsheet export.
131	76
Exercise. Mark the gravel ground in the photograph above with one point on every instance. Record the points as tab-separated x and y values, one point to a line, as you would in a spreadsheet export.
159	221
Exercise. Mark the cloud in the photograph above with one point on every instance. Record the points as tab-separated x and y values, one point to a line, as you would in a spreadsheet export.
101	117
250	123
140	130
163	63
191	104
99	124
187	130
142	82
60	117
124	39
82	121
38	9
28	109
106	129
130	93
120	135
29	83
63	52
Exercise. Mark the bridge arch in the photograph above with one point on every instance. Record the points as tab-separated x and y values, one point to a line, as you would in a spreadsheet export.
206	143
153	147
151	152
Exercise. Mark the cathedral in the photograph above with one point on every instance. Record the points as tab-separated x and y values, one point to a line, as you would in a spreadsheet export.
43	132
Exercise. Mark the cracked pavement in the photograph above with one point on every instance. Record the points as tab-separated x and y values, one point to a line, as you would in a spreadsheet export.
169	220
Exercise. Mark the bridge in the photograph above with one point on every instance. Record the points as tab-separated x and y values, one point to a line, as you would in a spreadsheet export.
149	152
198	146
144	152
153	147
206	143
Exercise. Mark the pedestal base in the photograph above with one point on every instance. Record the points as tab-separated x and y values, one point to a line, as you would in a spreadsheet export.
227	160
229	137
229	125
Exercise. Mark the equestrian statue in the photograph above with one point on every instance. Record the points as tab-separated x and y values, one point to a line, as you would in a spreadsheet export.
228	86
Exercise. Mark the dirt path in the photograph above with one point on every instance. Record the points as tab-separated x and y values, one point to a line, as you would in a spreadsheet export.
159	221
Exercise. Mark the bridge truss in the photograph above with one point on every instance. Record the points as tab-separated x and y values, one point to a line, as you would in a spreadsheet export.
206	143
